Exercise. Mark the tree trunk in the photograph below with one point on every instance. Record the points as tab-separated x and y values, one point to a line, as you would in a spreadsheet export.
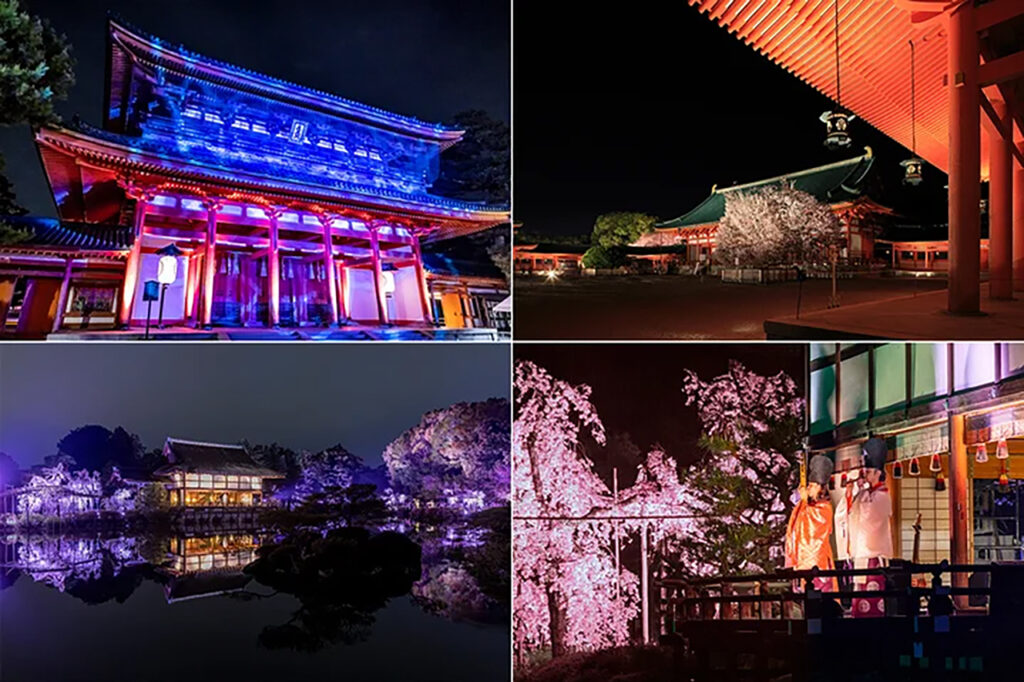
558	624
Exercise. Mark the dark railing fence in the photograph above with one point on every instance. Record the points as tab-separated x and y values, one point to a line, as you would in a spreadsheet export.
771	625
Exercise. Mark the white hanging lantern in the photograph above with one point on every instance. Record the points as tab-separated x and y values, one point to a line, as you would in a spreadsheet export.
981	453
1002	449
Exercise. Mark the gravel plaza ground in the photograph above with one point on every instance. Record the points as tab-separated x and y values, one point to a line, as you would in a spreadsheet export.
682	307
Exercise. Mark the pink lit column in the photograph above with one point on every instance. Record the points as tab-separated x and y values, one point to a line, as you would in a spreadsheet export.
209	260
378	290
421	281
329	268
964	163
1018	225
274	268
131	268
1000	253
342	280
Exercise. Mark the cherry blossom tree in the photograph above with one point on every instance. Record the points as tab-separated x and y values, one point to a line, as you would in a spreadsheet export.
739	492
566	593
776	225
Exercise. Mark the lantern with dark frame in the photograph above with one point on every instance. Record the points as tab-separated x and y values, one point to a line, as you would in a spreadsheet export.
913	166
836	125
837	122
167	273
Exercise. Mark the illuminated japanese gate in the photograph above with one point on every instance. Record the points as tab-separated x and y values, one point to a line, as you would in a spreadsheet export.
969	60
292	206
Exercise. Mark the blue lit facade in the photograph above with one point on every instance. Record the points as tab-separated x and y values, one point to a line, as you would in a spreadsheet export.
292	207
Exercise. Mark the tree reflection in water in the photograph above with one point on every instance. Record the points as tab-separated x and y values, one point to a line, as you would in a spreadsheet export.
341	576
341	579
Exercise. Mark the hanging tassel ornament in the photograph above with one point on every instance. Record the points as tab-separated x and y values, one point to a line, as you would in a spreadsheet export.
936	464
1004	474
831	482
915	468
981	453
897	470
1002	449
842	480
223	266
263	267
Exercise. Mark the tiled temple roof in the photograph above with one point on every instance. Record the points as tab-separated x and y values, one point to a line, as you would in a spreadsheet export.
193	59
196	456
51	232
832	183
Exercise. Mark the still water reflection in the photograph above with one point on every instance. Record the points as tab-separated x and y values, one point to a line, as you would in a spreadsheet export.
349	603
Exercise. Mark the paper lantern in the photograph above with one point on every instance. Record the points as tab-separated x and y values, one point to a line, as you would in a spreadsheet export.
981	453
897	470
935	465
1002	449
915	468
940	483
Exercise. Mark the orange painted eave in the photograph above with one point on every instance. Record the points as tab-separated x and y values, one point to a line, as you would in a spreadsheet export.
874	53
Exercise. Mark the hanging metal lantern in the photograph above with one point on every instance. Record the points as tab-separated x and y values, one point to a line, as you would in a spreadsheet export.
1002	449
836	126
837	122
981	453
915	468
912	168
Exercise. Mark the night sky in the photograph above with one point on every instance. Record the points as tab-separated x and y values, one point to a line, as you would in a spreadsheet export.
424	58
302	396
646	107
637	388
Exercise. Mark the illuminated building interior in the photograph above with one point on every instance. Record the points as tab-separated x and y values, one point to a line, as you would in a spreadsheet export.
213	475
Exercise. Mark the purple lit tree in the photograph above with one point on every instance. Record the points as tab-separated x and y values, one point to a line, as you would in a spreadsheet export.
57	492
458	454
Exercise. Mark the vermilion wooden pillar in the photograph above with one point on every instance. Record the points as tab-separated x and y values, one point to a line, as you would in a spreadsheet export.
131	268
1018	226
378	290
274	269
1000	205
62	297
959	489
421	281
330	271
209	261
964	163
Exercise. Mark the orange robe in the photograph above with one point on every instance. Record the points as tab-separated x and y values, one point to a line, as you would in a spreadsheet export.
807	536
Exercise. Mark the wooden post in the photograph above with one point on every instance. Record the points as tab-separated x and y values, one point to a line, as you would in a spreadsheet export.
645	605
378	290
329	270
274	268
959	490
1000	206
964	162
210	259
1018	225
421	281
62	298
131	268
615	499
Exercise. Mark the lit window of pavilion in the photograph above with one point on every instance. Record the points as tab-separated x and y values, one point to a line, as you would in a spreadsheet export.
213	475
291	207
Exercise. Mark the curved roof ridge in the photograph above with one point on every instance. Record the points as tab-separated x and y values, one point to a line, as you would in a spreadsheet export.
116	21
805	171
186	441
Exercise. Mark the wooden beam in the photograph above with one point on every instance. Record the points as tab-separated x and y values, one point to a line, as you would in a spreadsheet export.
996	12
995	125
1008	68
